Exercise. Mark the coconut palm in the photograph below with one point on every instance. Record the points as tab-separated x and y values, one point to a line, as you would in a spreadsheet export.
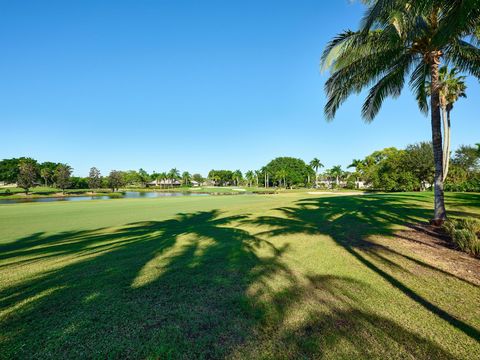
400	39
357	165
452	87
250	176
336	172
186	177
315	164
237	176
173	175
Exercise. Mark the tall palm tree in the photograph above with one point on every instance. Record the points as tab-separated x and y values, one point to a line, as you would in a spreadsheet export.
399	39
315	164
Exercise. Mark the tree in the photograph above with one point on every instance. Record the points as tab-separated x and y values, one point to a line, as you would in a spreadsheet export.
250	176
316	164
287	171
9	170
452	87
467	157
400	38
46	175
238	177
116	180
198	178
173	175
143	176
221	177
94	178
28	173
357	165
47	170
186	177
419	160
62	176
336	172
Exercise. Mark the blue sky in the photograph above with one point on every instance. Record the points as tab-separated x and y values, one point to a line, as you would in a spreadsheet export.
189	84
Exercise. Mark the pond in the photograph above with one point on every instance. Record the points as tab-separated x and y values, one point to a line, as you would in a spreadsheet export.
122	195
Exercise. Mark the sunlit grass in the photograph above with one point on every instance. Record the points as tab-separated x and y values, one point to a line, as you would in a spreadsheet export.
280	276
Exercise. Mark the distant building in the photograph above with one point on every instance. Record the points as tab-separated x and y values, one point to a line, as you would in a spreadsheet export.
165	183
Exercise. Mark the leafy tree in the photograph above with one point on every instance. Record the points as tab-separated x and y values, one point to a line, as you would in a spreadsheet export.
288	171
94	178
62	176
46	175
198	178
419	160
9	170
316	164
467	157
400	38
221	177
28	173
116	180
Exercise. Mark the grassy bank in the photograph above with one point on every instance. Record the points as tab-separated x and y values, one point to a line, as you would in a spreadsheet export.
285	276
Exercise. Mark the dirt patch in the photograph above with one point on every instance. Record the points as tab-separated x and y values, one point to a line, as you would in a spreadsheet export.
432	245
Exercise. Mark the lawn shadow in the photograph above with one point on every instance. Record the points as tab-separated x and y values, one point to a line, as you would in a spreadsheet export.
195	286
350	221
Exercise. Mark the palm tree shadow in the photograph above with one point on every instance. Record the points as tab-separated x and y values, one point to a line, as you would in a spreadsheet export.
120	295
195	286
350	221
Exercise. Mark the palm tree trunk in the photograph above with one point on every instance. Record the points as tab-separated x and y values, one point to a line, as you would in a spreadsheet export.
439	208
446	150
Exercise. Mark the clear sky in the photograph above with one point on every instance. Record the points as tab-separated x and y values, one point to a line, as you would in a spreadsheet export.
189	84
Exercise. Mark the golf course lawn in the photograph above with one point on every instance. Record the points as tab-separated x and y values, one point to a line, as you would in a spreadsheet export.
254	276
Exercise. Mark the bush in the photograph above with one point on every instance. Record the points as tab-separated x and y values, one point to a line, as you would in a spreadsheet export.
464	234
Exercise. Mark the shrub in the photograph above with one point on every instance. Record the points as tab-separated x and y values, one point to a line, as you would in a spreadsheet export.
464	233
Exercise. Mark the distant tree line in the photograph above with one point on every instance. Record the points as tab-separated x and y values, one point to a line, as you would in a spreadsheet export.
390	169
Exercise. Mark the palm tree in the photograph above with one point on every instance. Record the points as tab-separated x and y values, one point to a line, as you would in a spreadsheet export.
46	174
337	173
186	177
173	175
356	164
250	175
397	39
237	176
316	164
281	176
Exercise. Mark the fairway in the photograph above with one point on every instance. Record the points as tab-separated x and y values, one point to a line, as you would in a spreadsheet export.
291	275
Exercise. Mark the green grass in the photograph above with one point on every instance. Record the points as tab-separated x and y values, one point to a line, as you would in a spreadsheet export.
284	276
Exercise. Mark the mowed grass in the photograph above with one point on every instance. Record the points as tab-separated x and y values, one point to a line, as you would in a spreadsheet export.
279	276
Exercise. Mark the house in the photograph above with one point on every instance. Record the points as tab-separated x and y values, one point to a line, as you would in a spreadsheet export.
164	183
194	183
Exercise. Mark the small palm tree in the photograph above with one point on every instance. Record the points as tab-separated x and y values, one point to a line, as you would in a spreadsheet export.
173	175
337	173
237	176
357	165
186	177
250	176
315	164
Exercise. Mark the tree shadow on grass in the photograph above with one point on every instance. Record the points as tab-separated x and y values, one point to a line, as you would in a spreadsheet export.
350	221
195	286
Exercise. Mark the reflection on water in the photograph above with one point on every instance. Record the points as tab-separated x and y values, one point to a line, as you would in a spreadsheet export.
124	195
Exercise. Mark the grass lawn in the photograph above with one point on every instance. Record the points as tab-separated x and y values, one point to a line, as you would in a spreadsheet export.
290	275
